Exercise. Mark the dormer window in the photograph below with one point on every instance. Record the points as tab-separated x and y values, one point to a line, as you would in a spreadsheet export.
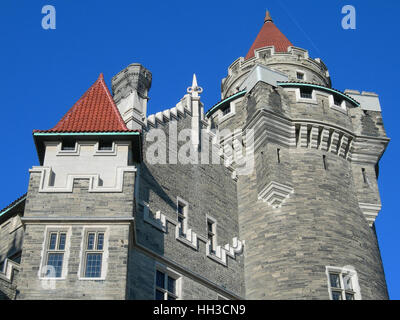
68	145
306	93
105	145
300	75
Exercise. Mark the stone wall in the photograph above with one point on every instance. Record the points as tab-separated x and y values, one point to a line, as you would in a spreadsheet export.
74	212
209	190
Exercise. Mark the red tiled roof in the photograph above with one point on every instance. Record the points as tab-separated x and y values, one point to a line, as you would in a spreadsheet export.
269	35
95	111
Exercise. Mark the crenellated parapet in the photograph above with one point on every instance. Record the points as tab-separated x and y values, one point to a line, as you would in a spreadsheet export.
294	63
104	167
190	238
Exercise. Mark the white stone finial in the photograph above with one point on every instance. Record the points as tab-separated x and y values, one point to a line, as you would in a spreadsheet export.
194	90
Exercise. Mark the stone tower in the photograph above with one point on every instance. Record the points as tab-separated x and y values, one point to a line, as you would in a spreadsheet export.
307	211
79	204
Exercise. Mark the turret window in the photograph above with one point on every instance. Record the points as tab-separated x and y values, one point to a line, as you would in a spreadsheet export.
306	93
337	101
226	110
343	284
300	75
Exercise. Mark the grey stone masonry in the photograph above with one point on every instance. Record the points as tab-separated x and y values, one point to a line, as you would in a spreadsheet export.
209	191
328	156
75	214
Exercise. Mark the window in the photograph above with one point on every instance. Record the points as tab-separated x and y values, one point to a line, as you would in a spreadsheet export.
68	145
182	212
343	284
278	154
300	75
105	145
93	258
166	287
306	93
181	219
337	101
55	254
211	235
226	110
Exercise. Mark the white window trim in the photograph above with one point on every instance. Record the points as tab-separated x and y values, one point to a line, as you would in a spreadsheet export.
173	274
214	241
43	255
299	99
303	73
98	152
179	200
232	112
349	270
75	152
332	105
82	255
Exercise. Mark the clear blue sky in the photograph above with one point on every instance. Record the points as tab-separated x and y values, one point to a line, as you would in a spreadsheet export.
43	72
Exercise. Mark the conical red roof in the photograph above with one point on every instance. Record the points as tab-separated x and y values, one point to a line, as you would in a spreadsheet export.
269	35
95	111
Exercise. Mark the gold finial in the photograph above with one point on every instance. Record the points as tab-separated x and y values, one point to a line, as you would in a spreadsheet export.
268	17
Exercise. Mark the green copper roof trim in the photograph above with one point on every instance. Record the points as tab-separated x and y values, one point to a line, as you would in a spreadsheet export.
319	87
12	207
85	133
225	100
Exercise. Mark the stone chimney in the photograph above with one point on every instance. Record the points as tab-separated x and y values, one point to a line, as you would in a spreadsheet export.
130	89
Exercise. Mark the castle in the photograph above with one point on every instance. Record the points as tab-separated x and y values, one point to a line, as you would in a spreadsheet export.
270	194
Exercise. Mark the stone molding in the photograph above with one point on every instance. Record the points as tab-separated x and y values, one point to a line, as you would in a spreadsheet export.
8	270
316	135
370	211
190	238
94	179
275	194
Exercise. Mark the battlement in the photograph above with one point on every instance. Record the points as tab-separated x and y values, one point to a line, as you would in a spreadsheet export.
295	60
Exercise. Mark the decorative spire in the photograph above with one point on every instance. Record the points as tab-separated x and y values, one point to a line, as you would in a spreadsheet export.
269	35
268	17
194	90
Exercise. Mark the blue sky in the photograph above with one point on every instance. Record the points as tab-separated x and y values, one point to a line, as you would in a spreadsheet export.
43	72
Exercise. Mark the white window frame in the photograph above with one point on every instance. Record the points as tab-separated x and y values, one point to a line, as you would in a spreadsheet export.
83	254
344	272
168	272
214	242
303	73
182	229
231	113
313	99
332	104
45	251
98	152
60	152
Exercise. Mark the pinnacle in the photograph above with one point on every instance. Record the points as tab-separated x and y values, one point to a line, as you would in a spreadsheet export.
268	17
